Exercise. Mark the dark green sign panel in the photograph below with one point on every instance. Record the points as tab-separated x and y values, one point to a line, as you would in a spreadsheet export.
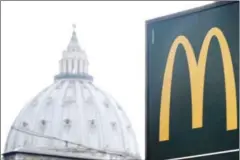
192	84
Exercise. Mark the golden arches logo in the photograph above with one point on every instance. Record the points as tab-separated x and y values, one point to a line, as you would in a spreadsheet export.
197	78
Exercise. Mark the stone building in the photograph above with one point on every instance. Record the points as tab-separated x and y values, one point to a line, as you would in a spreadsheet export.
72	119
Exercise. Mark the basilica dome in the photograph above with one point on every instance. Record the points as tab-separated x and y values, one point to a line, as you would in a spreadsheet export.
73	117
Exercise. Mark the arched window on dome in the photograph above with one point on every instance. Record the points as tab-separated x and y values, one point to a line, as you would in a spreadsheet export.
93	136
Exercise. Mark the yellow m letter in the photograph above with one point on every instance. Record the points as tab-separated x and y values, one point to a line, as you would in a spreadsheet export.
197	78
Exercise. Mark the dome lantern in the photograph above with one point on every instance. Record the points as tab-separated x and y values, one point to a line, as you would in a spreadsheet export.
74	62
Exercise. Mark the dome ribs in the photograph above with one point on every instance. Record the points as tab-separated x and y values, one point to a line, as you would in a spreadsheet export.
49	101
44	117
39	110
70	94
125	124
87	96
81	131
117	133
98	114
60	85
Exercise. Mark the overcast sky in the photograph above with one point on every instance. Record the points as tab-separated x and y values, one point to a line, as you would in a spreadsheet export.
34	34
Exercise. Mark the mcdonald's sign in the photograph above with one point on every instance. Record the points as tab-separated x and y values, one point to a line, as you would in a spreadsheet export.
192	84
197	72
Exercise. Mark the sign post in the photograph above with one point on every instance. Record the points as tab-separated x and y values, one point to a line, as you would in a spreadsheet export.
192	84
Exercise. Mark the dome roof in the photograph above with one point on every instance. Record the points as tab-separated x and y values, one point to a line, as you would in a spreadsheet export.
74	117
70	114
